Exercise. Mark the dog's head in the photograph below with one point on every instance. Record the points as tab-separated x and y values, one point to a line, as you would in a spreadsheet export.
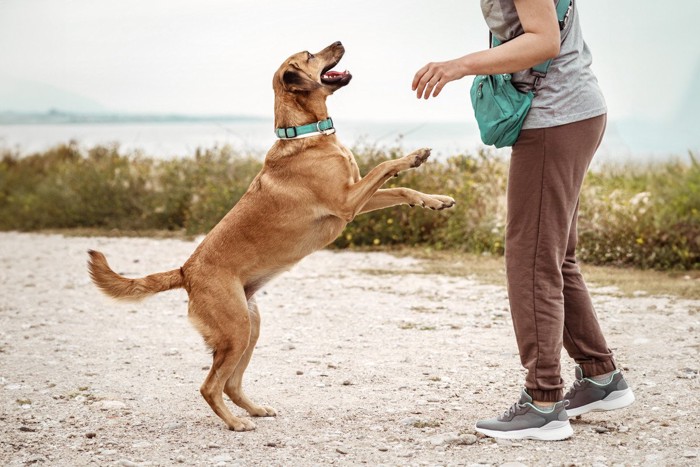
305	72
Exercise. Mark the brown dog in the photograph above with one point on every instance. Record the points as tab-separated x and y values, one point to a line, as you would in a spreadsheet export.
308	190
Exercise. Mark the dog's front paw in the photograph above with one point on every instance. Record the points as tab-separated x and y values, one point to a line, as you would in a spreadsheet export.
417	157
262	411
437	202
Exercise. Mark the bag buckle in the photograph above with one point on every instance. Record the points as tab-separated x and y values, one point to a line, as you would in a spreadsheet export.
538	76
565	20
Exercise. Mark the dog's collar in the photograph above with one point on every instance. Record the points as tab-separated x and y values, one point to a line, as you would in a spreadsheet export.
323	127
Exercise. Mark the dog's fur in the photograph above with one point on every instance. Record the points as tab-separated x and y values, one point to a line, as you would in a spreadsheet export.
301	200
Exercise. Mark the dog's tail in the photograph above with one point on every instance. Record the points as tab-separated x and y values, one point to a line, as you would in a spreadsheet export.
122	288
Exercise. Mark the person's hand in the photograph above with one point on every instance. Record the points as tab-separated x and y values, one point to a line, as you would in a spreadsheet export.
434	76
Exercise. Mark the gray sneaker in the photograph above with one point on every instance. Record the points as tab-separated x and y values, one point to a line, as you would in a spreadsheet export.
525	421
587	395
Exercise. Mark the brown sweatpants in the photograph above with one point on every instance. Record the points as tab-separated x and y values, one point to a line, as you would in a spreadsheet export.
549	301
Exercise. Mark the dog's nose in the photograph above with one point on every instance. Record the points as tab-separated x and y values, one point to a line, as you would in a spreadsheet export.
337	44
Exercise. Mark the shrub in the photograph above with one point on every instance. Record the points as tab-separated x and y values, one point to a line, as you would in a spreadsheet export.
642	216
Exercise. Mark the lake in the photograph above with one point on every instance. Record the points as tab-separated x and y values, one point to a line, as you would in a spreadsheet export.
181	139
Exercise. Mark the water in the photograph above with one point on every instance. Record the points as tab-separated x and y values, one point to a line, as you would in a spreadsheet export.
181	139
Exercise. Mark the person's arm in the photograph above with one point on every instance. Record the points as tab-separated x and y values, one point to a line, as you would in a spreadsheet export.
539	42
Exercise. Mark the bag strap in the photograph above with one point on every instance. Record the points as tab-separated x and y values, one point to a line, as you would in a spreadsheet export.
563	11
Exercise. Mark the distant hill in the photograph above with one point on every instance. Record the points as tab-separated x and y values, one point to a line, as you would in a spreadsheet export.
677	133
688	115
61	117
22	96
638	137
27	102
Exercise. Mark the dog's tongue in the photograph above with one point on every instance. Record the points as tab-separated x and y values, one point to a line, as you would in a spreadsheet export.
334	74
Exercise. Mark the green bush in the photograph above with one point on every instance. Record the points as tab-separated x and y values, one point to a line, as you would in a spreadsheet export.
642	216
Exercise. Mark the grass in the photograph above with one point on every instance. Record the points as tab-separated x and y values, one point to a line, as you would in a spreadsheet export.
490	269
629	281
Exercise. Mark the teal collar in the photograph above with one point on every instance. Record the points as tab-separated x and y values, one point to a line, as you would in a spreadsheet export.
324	127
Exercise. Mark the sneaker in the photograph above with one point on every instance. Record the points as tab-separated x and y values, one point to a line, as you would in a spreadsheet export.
587	395
525	421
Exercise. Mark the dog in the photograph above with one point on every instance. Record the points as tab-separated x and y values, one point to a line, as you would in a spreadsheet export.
307	191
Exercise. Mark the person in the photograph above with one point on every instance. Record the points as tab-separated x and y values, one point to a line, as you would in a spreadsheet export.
549	302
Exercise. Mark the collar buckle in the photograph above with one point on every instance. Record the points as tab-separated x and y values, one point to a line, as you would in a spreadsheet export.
328	131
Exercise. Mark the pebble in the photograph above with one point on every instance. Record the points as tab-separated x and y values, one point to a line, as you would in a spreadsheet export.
443	438
299	372
383	448
600	429
127	463
141	445
623	429
221	458
466	440
38	460
111	405
180	459
341	450
513	464
690	454
171	352
410	421
90	435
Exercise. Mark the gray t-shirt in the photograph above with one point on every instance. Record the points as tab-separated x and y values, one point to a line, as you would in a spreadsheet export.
570	92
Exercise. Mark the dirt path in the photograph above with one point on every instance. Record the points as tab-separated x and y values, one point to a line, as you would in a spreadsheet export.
366	360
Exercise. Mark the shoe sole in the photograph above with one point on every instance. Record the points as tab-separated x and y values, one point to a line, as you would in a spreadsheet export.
552	431
615	400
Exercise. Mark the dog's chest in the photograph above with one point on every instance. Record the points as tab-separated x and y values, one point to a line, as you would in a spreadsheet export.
353	171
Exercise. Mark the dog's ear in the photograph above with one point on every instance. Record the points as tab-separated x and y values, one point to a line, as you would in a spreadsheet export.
296	80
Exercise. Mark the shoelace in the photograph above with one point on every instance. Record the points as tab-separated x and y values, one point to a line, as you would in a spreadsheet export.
512	410
576	385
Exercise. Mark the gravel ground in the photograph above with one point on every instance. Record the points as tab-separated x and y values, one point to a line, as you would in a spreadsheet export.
367	359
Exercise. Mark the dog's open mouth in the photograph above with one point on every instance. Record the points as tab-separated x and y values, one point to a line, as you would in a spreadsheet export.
335	77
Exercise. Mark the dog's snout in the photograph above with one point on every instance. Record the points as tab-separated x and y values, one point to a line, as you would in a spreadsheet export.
336	47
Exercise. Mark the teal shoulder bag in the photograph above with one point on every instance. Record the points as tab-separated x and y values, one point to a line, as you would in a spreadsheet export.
500	109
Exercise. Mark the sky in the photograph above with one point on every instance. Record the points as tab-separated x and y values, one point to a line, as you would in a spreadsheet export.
218	56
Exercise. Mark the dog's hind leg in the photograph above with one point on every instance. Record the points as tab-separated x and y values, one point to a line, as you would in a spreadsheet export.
221	314
234	385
